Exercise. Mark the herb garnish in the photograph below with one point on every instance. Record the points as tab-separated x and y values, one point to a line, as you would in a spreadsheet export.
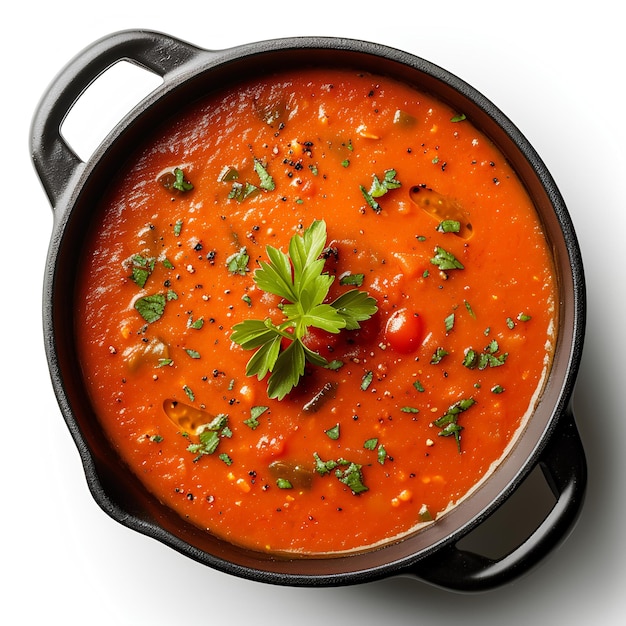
237	263
449	226
210	435
449	421
445	260
141	268
151	308
243	191
266	181
255	413
379	188
350	476
487	358
298	278
179	181
333	433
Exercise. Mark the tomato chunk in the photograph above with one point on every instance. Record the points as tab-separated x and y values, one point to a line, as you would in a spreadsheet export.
404	331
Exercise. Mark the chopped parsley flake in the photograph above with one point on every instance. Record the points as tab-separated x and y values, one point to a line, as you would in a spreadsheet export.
445	260
367	380
448	422
333	433
151	307
237	263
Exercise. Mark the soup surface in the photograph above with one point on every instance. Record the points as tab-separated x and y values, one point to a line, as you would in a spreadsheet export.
391	375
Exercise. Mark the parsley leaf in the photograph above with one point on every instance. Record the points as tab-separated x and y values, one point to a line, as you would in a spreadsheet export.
151	308
180	183
237	263
266	181
299	278
352	477
209	436
379	188
448	422
445	260
141	268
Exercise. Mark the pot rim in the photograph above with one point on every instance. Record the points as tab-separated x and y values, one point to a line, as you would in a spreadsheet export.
187	71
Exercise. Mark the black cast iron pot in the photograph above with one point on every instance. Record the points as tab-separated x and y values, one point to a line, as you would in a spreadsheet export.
550	440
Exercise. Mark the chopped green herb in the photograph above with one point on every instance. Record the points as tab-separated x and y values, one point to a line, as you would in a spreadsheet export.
445	260
283	483
151	308
355	280
225	458
178	227
345	163
448	422
487	358
267	182
237	263
164	362
523	317
180	183
497	389
370	199
418	385
255	413
449	226
449	322
141	268
333	433
460	117
194	354
379	188
156	438
209	436
510	323
381	454
171	295
247	299
352	476
438	356
371	444
242	191
468	306
366	381
196	324
409	409
189	392
323	467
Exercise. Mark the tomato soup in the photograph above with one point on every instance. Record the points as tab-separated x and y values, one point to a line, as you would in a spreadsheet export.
315	312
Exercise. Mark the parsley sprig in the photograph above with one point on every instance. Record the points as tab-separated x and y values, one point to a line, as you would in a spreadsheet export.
299	279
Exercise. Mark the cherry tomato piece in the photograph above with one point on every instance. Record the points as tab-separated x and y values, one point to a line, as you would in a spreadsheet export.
404	331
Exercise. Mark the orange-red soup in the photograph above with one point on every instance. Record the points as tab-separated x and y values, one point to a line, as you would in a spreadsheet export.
479	336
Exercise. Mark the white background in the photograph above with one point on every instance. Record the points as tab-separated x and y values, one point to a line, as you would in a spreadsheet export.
556	71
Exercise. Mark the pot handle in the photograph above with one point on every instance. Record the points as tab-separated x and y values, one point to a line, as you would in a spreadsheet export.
55	161
565	470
